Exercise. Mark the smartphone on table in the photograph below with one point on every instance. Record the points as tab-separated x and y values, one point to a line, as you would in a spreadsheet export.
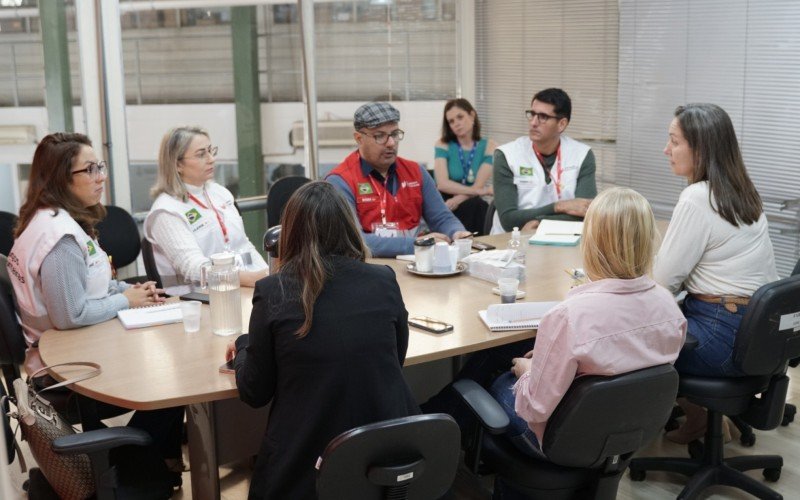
479	245
430	324
201	297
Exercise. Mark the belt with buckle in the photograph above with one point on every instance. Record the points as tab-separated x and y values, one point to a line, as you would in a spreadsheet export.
729	302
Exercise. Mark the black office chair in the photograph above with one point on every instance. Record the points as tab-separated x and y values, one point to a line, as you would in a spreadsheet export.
589	440
119	237
405	458
150	263
488	222
279	194
7	223
761	350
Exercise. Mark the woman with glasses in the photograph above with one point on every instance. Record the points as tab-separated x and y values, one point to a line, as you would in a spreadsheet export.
717	246
328	337
60	274
192	216
463	164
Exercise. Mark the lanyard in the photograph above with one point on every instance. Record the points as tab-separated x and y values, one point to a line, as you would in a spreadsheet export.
382	196
219	217
466	168
559	170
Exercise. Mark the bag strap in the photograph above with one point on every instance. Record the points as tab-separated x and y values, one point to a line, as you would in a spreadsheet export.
85	376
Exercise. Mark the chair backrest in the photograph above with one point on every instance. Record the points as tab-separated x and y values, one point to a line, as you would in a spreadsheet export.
418	454
796	269
7	223
12	341
150	262
769	336
489	220
279	194
119	236
601	419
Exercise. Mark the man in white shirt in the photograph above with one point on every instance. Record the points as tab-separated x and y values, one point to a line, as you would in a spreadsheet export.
544	175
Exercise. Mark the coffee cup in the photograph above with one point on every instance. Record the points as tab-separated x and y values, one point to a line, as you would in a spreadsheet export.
423	255
508	290
464	248
441	258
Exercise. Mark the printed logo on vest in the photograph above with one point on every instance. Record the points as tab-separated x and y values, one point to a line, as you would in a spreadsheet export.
364	188
90	247
193	216
525	170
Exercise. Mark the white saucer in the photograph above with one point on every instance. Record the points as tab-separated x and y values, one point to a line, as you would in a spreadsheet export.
520	293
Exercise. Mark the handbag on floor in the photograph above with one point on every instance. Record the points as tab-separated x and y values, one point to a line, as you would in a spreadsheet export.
69	475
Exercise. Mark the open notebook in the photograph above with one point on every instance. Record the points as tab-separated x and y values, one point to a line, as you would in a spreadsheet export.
141	317
518	316
557	232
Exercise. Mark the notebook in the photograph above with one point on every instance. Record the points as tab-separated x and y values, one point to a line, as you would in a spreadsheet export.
518	316
557	232
141	317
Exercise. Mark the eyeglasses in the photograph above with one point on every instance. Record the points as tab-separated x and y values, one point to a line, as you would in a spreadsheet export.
543	117
203	154
93	170
382	137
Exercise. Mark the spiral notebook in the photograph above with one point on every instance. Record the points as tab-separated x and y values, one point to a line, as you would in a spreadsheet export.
558	233
518	316
142	317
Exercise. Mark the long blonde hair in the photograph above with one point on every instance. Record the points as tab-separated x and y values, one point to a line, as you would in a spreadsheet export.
619	235
173	147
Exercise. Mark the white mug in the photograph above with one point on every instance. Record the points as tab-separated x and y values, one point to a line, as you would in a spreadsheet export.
441	258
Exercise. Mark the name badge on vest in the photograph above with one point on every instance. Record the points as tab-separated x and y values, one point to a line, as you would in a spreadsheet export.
526	178
386	230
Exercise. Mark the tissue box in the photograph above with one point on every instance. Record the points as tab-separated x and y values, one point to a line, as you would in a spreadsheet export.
491	265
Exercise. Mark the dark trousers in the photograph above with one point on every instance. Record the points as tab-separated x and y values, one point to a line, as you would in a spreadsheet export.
471	213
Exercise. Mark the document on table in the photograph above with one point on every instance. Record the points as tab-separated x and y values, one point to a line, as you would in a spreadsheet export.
557	232
141	317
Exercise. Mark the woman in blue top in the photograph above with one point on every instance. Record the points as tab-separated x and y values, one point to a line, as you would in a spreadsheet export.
463	165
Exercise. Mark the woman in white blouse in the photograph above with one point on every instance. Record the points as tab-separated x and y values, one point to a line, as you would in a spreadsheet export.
192	216
717	246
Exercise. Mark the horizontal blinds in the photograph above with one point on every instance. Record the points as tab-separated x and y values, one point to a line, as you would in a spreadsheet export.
743	56
523	46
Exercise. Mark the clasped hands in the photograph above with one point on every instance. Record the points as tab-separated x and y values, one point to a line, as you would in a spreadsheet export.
144	294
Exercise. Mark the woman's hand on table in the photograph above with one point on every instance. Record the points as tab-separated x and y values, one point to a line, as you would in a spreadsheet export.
143	294
230	351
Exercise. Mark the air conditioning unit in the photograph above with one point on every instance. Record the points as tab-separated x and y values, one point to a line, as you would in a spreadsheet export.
17	134
330	134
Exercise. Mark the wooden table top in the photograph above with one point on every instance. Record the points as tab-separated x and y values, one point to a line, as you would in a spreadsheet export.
162	366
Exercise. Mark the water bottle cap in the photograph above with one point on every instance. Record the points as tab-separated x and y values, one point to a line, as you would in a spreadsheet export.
223	259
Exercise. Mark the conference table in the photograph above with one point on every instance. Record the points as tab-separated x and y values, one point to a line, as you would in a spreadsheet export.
161	367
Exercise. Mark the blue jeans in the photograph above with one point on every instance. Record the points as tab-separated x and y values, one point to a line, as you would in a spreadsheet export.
517	431
715	329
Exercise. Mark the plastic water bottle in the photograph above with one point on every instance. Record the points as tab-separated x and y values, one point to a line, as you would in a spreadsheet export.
515	243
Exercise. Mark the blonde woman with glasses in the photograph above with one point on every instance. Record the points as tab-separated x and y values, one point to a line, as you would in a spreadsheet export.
620	321
192	216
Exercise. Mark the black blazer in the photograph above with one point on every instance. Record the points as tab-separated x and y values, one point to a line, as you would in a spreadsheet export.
345	373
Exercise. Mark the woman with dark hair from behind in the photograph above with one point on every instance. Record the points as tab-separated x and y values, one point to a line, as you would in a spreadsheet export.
717	246
327	342
463	164
62	277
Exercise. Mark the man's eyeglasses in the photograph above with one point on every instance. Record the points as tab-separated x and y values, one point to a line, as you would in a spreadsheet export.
203	153
543	117
93	169
382	137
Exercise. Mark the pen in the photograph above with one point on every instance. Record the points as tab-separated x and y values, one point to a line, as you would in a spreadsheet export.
562	234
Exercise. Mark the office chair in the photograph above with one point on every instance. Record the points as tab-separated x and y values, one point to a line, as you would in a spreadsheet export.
765	342
279	194
489	220
405	458
589	440
118	235
7	223
150	262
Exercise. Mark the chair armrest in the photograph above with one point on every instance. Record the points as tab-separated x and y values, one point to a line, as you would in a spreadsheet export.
100	440
489	412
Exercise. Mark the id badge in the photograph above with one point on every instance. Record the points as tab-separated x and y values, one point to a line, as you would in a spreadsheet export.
386	229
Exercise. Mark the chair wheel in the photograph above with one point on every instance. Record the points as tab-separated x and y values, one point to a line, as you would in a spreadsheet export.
788	418
747	439
639	475
772	474
696	450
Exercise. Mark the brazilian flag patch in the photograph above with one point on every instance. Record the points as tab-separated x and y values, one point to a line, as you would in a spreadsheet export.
193	216
525	170
364	188
90	247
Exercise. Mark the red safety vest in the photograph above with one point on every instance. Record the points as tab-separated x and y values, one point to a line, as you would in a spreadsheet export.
372	197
